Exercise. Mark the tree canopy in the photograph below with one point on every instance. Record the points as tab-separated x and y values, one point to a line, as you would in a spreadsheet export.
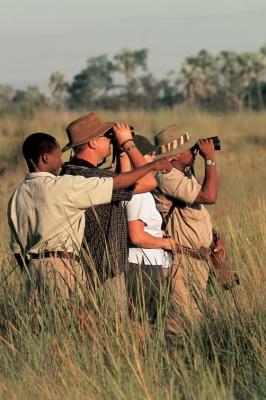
225	81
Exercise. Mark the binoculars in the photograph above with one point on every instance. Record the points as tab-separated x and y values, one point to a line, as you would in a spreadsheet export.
111	135
216	143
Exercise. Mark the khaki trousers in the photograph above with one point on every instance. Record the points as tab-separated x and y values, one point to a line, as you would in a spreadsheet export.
188	280
55	278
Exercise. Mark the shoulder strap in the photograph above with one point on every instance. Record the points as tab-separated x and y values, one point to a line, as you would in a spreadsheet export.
166	216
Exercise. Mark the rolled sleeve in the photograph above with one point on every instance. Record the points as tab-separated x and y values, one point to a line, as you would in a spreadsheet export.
175	184
93	191
135	210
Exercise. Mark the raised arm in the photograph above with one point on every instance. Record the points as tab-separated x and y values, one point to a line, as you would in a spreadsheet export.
126	179
135	158
209	189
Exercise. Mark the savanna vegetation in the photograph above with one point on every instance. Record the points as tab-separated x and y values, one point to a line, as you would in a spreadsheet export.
227	81
63	353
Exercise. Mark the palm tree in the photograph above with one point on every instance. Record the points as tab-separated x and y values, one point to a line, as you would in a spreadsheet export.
58	86
198	77
230	66
128	63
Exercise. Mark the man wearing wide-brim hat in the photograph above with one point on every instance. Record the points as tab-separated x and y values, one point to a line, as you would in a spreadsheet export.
181	201
105	236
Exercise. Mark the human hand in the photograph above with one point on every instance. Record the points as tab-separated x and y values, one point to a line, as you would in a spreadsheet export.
168	244
164	165
122	132
206	148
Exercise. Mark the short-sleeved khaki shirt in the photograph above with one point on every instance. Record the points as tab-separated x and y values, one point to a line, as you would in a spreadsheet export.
46	212
189	224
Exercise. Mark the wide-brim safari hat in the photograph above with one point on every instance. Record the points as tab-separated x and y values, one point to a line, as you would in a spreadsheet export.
173	140
85	128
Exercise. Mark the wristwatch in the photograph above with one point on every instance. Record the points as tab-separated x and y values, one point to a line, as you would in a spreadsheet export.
209	162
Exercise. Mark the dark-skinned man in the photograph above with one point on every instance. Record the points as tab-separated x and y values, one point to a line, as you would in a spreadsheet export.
46	215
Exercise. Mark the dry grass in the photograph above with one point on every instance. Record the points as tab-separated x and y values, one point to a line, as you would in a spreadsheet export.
74	358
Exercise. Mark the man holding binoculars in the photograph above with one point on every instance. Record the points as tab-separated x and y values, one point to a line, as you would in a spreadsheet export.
105	237
181	201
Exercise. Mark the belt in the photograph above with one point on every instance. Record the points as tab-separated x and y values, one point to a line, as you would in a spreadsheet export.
200	254
52	253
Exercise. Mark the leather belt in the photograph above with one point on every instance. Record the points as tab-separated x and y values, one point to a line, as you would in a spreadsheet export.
201	254
60	254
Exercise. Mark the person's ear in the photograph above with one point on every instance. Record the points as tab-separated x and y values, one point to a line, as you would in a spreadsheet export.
45	158
92	143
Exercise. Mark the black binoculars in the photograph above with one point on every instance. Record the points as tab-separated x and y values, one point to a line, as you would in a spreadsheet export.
111	135
216	143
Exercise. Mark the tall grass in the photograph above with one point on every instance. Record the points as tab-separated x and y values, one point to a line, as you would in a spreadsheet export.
67	353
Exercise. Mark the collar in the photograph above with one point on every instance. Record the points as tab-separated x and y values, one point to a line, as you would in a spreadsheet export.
33	175
81	162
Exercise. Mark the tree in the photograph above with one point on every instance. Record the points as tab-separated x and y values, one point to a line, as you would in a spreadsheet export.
6	94
129	63
31	95
199	78
58	86
259	72
263	50
231	70
170	93
28	101
91	85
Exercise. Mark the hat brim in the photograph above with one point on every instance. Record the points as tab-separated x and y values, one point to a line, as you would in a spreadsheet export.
108	126
192	141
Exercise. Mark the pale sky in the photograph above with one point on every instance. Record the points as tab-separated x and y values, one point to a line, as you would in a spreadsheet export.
38	37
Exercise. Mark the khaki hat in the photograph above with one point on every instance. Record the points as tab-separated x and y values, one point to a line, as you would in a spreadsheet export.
85	128
173	140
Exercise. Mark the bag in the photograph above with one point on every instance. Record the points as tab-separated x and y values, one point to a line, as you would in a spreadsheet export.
222	269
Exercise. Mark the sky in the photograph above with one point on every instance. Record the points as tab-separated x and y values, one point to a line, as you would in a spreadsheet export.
38	37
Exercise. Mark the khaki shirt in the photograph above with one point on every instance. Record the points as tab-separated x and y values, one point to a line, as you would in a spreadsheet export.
189	223
47	212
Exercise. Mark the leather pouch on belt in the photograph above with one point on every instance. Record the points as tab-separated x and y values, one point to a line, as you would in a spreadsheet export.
222	269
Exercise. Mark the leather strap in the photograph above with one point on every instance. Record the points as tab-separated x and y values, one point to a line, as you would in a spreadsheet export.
52	253
201	254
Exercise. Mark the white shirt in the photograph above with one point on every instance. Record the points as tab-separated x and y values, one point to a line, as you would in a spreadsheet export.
46	212
142	207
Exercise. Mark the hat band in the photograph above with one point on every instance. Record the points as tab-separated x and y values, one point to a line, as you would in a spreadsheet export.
175	144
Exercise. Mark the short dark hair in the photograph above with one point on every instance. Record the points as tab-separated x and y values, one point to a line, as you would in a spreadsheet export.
37	144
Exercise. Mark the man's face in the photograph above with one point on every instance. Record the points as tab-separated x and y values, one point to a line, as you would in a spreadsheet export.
186	158
55	161
103	146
